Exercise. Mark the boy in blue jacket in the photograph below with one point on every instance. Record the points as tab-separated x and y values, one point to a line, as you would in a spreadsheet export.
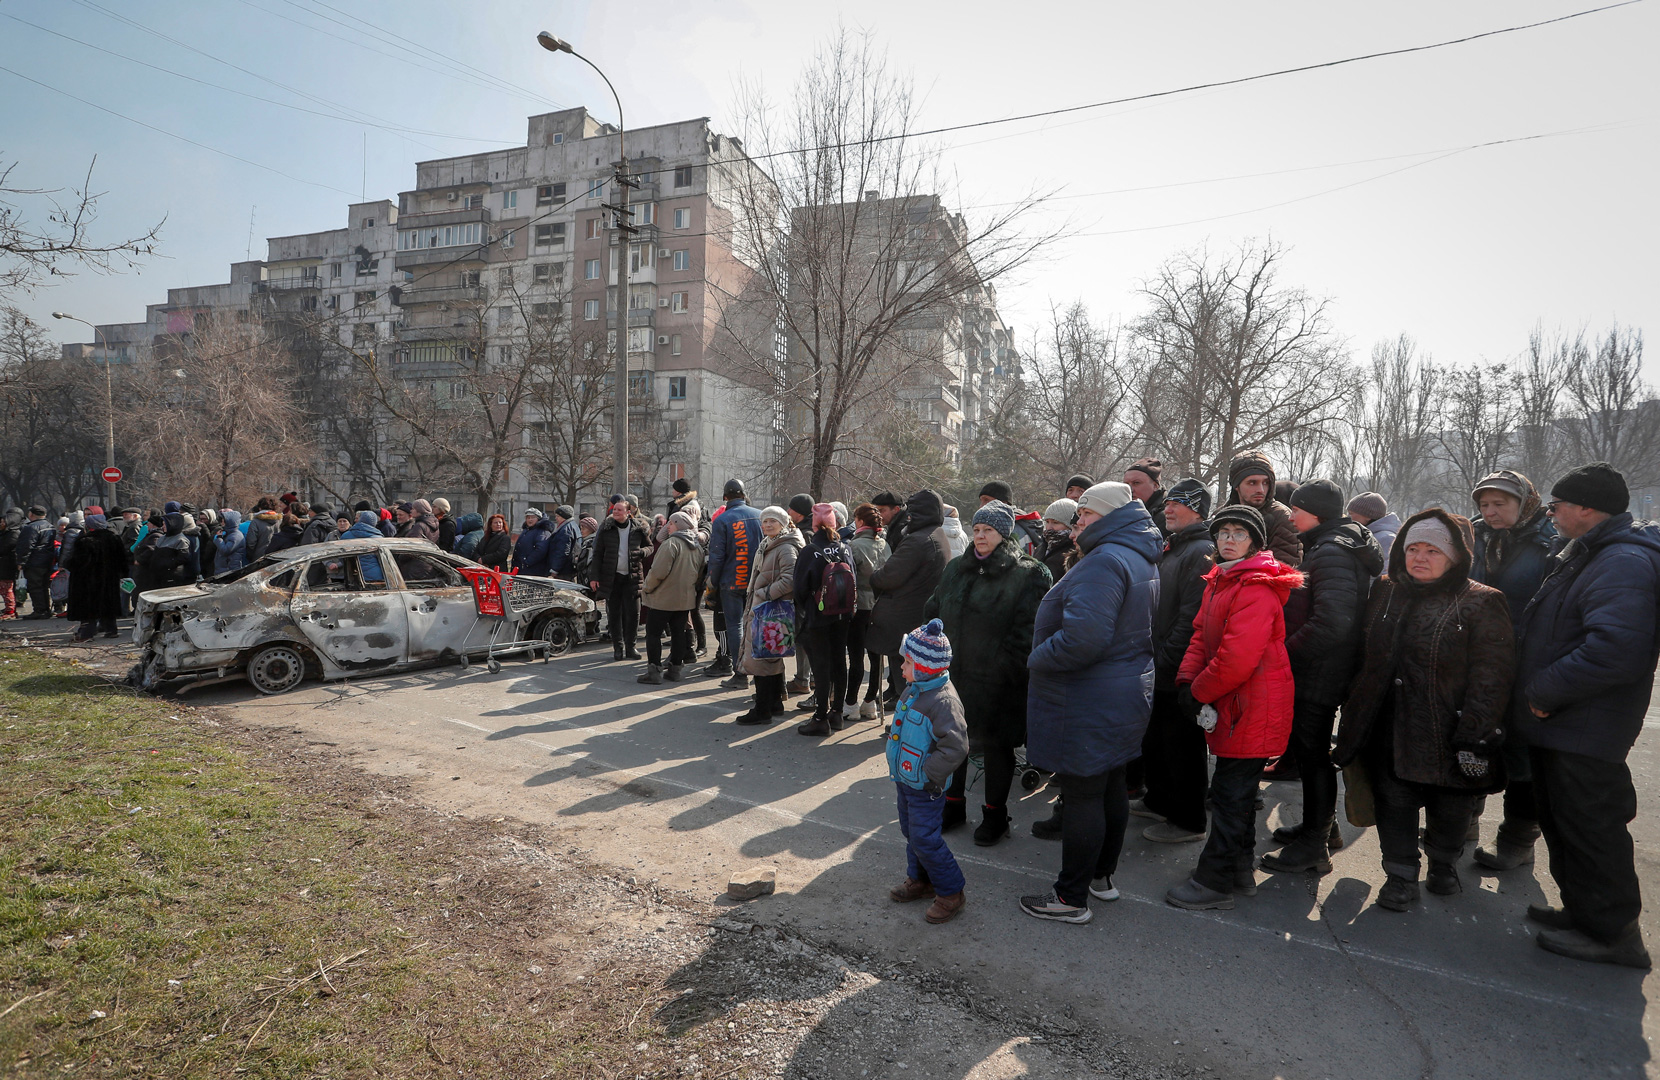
928	740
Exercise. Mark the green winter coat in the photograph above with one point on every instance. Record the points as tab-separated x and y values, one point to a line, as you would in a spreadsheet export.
988	607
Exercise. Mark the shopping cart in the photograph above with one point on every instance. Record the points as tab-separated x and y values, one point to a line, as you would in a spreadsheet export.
510	600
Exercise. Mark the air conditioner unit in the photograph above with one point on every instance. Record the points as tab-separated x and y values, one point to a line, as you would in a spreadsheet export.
454	195
664	302
662	253
662	339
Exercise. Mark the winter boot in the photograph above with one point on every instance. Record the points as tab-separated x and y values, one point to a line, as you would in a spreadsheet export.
775	694
1307	852
1398	893
910	890
616	651
674	672
720	665
834	718
652	677
1442	879
954	814
1629	951
994	826
1050	827
1512	847
739	681
816	725
944	908
1287	833
1193	896
1244	881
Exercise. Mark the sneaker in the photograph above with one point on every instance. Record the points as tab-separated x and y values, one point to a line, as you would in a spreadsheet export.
721	665
1168	832
1049	906
1629	951
1138	808
740	681
870	710
1102	888
806	704
1192	896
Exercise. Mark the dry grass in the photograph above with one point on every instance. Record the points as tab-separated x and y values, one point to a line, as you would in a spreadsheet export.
181	899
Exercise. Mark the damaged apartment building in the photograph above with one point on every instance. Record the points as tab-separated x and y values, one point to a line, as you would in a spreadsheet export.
446	276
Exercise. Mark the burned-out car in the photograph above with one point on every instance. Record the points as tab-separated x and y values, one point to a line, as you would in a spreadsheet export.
351	607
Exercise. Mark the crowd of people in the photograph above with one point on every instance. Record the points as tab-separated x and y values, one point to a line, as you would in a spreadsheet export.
1158	657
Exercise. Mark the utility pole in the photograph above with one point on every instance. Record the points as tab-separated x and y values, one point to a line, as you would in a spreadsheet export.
625	230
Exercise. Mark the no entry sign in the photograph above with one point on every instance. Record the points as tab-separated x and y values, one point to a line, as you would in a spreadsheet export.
112	475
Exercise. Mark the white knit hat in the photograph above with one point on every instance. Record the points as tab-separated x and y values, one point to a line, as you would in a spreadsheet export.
1061	510
1105	497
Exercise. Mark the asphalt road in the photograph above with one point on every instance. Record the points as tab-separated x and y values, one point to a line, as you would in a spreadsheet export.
1307	979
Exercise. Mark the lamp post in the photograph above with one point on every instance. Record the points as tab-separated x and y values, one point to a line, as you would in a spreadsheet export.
625	228
109	408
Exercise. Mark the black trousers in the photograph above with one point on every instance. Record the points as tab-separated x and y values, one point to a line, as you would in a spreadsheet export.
1232	843
999	772
1173	758
857	629
1585	804
1310	747
1396	803
623	604
896	677
827	655
1092	832
680	636
40	590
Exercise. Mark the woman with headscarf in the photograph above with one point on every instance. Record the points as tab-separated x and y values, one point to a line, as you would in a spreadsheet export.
495	546
987	599
772	577
1425	715
96	568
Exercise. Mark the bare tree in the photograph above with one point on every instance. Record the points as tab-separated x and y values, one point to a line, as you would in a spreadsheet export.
1235	360
51	421
214	414
1400	413
1542	373
1069	410
1479	419
1617	417
32	251
856	260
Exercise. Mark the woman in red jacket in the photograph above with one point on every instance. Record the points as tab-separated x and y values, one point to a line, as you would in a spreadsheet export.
1235	681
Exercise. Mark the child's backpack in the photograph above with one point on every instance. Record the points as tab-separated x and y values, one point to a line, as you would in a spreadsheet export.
838	590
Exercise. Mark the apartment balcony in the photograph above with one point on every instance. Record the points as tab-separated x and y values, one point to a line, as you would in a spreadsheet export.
636	317
459	254
439	294
644	234
452	214
287	283
947	395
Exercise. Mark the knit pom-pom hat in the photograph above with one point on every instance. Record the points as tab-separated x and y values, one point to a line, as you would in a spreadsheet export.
928	648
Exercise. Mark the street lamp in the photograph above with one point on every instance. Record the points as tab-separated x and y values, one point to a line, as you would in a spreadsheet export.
619	427
109	408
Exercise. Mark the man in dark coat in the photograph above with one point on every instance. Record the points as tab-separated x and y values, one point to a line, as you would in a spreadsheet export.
1251	480
734	540
1173	753
1584	675
562	544
618	570
317	530
1143	478
892	510
9	567
96	568
37	552
1513	543
446	524
904	583
1324	625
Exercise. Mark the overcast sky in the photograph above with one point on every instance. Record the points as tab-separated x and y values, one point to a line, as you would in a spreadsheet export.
1358	170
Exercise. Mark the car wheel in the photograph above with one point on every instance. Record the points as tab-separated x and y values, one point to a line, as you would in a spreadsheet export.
559	634
276	669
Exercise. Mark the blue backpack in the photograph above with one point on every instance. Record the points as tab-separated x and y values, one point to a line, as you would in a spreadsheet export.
911	738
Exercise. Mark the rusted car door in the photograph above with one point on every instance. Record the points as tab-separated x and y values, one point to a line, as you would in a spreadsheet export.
443	616
354	622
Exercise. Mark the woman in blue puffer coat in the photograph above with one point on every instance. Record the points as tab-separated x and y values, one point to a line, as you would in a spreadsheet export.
1091	690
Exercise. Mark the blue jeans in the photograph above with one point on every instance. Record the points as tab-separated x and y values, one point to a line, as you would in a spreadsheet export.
926	856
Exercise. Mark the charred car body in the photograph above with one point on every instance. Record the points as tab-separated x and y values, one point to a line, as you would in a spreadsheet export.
351	607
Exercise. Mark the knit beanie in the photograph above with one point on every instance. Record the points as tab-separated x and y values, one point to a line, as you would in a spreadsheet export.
1191	494
588	523
1597	486
928	648
1105	497
1250	463
1247	517
565	510
682	485
776	513
1434	532
1369	505
368	517
364	504
1322	498
841	513
1062	510
802	504
824	515
999	516
1149	467
442	506
1000	491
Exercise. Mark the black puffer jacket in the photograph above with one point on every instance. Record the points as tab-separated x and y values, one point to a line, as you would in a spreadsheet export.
909	577
1187	559
1323	619
1057	550
605	550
